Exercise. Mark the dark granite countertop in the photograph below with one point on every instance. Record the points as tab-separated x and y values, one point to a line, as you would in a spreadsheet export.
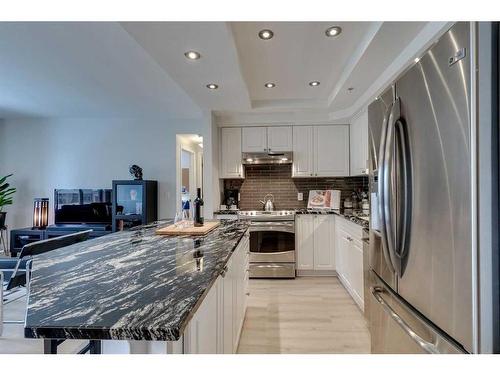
132	285
349	214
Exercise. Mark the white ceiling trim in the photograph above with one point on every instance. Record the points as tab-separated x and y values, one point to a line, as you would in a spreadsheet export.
421	43
354	59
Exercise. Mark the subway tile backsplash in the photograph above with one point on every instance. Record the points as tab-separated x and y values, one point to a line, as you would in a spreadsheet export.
277	180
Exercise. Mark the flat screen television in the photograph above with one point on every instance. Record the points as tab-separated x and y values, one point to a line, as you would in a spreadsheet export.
82	206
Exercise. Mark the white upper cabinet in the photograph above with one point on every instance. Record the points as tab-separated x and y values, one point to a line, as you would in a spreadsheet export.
332	150
230	156
302	151
254	139
279	138
359	144
264	139
320	151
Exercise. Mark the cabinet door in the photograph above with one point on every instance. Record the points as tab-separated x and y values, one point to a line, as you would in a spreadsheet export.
356	281
254	139
231	166
324	256
305	242
358	141
331	146
228	310
279	138
342	248
302	151
202	329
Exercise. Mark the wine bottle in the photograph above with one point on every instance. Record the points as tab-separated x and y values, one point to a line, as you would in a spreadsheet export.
198	209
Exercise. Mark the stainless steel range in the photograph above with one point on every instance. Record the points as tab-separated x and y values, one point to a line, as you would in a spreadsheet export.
272	243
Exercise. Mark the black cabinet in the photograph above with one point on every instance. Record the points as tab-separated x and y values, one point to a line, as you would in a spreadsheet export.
135	202
24	236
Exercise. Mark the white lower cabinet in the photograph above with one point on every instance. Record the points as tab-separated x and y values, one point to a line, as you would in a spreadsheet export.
349	258
201	335
216	326
315	244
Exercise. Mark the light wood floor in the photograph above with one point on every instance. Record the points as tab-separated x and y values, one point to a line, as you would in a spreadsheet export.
12	340
304	315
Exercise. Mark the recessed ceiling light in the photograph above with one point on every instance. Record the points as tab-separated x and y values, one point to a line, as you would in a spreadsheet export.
417	59
270	85
212	86
265	34
192	55
249	160
314	83
333	31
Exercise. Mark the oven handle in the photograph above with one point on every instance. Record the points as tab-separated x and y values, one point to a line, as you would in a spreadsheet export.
272	228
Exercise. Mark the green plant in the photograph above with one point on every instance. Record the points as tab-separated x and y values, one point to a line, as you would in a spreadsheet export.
6	192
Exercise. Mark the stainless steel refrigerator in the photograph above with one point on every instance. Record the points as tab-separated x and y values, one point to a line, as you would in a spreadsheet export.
421	229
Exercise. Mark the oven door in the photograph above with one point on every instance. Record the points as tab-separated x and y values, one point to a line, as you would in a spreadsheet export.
272	242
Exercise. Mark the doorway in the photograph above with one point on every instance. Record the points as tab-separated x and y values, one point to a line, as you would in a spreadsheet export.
189	169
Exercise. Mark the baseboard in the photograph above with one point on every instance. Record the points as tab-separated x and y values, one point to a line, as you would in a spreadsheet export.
316	273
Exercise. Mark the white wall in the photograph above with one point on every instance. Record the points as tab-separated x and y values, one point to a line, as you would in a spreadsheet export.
45	154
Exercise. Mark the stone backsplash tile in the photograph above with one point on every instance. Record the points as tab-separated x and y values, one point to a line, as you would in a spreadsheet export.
277	180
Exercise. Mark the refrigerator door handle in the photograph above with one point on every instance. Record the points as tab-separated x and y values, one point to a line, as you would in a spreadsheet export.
425	345
404	194
389	186
381	188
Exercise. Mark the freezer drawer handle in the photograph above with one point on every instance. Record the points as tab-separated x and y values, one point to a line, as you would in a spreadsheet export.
427	346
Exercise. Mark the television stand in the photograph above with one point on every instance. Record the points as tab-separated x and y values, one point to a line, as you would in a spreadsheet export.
21	237
57	230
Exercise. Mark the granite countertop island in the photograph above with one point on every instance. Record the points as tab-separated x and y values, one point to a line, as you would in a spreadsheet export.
132	285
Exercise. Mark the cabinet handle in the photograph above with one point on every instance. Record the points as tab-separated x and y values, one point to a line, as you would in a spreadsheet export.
311	174
247	293
224	271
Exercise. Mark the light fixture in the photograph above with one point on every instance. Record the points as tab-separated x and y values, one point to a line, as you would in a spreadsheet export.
249	160
417	59
40	213
314	83
284	159
266	34
212	86
270	85
192	55
333	31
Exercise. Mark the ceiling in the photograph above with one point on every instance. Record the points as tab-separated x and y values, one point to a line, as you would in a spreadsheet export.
139	68
83	70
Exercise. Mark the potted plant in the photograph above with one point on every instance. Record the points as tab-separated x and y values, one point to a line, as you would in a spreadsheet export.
6	193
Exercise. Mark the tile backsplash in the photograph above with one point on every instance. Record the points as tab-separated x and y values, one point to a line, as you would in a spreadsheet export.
277	180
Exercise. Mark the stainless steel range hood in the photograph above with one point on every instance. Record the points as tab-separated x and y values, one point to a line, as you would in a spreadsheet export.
267	158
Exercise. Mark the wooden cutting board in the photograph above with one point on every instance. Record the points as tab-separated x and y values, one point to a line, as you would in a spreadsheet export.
172	230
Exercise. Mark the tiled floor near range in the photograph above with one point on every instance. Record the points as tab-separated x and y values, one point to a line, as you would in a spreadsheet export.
304	315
